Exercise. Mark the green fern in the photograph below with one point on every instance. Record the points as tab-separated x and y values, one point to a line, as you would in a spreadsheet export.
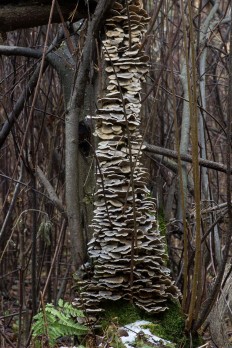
57	322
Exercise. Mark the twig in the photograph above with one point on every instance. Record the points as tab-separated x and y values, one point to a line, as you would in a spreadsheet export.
50	190
45	318
11	207
7	339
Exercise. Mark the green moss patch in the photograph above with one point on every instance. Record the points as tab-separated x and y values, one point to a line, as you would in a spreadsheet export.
169	325
121	311
162	223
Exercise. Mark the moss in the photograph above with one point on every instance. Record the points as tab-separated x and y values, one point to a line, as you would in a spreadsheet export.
197	341
121	311
173	321
162	223
170	324
170	345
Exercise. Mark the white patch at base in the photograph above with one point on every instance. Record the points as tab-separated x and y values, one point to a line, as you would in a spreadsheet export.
133	330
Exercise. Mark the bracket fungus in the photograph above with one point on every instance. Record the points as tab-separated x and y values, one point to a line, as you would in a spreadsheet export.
126	250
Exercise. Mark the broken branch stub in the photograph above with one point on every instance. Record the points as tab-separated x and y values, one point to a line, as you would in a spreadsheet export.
126	250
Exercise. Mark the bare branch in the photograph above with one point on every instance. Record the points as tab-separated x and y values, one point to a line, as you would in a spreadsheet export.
12	118
20	51
29	14
186	158
11	207
29	89
50	190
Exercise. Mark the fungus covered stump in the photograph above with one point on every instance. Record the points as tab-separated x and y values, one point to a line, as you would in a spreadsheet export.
127	250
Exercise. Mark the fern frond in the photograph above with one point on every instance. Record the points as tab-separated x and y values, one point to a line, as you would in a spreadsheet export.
60	322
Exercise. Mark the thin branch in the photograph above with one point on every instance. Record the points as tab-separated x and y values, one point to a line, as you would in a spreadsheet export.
186	158
12	118
11	207
29	89
50	190
27	186
7	339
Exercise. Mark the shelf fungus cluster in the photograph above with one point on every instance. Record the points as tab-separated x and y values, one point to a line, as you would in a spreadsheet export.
126	250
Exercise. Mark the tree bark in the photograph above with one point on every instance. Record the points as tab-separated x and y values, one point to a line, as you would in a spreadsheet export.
27	14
